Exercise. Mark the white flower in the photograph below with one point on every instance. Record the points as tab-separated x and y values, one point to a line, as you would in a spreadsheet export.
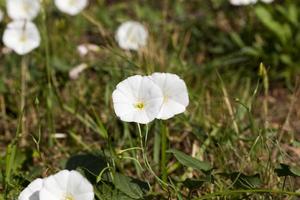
137	99
131	35
1	15
84	49
66	185
267	1
242	2
31	192
71	7
23	9
175	94
21	36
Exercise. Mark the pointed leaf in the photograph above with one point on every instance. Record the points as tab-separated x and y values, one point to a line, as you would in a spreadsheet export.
286	170
189	161
131	187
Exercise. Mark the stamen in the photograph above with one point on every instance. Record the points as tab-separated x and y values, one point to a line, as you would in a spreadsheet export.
23	38
139	105
68	197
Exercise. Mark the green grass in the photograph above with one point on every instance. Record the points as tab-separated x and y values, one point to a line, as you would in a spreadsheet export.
242	119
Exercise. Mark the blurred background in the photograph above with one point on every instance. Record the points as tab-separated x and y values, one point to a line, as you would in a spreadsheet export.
240	64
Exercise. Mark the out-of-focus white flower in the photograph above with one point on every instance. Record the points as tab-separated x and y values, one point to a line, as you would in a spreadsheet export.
66	185
76	71
242	2
21	36
84	49
1	15
59	135
71	7
31	192
137	99
267	1
131	35
175	93
23	9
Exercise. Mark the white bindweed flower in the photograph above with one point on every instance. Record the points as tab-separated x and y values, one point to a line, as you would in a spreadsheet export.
31	192
131	35
21	36
67	185
242	2
71	7
137	99
267	1
1	15
23	9
175	93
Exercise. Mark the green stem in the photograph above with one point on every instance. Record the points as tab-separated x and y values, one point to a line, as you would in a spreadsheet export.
23	97
95	22
163	165
145	157
253	191
49	74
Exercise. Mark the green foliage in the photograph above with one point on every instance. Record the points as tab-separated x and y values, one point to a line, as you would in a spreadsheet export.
233	125
286	170
242	181
133	188
189	161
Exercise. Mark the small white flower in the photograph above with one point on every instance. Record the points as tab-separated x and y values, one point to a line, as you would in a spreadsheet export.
1	15
71	7
31	192
21	36
67	185
242	2
60	135
131	35
137	99
175	94
84	49
23	9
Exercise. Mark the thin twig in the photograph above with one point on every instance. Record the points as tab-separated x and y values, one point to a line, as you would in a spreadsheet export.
287	119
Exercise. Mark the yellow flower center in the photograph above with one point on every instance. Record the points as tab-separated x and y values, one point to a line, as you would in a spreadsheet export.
68	197
166	99
72	2
26	7
139	105
23	38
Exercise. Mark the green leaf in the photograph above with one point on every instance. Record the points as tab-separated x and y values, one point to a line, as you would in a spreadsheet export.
189	161
197	183
282	31
131	187
243	181
108	192
286	170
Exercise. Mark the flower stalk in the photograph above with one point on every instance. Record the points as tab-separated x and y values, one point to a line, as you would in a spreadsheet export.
23	98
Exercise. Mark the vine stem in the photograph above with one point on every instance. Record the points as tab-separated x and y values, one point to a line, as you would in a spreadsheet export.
49	76
23	98
164	132
93	21
143	147
253	191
